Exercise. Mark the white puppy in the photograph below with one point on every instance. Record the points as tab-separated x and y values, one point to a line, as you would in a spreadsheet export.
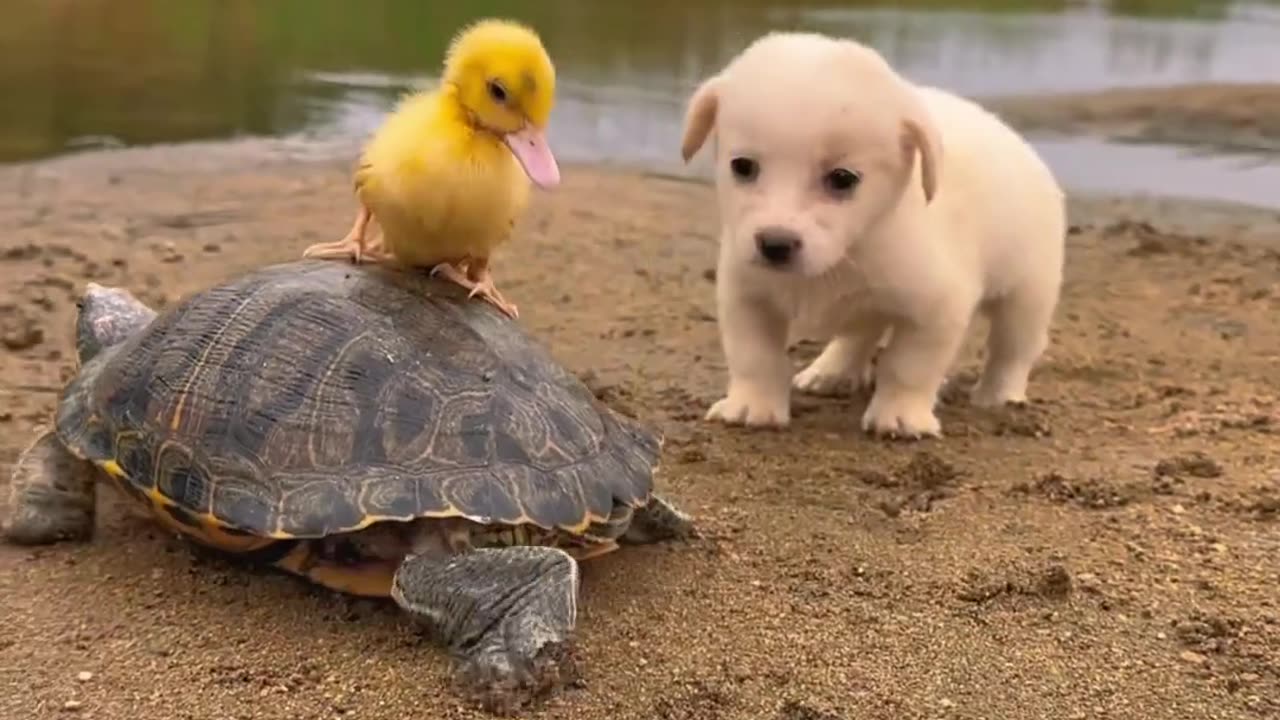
831	227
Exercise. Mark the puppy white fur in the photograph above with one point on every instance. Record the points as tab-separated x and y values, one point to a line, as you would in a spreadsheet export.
831	228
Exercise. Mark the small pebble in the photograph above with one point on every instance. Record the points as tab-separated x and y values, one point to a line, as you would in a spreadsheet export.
1192	657
71	705
1088	582
84	676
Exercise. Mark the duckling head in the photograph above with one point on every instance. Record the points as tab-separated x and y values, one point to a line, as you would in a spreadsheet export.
505	81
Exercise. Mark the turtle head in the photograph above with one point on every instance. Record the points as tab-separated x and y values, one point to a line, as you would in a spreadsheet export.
107	316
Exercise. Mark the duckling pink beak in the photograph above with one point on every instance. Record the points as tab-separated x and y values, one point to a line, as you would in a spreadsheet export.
530	147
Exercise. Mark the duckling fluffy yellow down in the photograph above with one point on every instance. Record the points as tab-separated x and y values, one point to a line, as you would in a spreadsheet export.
448	173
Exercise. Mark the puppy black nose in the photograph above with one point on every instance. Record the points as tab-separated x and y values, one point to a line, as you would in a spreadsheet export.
777	245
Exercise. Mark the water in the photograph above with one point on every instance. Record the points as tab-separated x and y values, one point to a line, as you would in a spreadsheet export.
1101	167
108	72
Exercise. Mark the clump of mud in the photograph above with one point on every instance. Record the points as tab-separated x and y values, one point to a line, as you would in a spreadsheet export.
1091	493
1195	465
916	486
1050	581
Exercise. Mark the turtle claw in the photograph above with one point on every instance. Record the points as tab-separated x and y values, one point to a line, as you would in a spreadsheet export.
503	684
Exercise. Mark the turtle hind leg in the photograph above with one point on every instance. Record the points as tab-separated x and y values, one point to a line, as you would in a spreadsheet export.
51	495
508	615
658	521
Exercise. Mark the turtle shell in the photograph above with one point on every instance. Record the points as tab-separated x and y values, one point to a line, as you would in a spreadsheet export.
317	397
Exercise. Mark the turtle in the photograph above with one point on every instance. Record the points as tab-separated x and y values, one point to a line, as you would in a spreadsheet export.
365	428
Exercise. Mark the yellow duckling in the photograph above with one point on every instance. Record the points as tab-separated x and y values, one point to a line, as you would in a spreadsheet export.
448	173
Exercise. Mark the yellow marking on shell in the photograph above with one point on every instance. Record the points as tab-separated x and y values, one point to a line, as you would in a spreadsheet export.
112	468
367	579
323	382
176	421
578	529
209	533
588	521
368	520
365	522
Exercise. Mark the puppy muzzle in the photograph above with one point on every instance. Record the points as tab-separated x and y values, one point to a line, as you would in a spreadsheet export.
778	247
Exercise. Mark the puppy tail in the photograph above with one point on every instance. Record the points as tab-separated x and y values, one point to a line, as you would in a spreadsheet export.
700	117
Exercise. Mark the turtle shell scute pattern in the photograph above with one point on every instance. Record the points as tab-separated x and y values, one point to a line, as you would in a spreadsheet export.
314	398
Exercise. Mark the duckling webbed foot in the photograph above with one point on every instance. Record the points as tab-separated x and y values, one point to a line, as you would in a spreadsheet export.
478	281
355	246
478	272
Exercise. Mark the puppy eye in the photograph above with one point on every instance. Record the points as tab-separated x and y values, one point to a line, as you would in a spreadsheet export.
841	181
497	92
744	169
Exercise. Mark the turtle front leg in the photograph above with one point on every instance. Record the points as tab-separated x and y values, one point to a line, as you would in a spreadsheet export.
507	613
51	495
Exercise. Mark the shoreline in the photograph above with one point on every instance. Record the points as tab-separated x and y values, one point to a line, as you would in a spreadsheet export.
1225	117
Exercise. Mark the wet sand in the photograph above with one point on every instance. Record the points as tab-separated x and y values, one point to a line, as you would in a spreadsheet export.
1109	551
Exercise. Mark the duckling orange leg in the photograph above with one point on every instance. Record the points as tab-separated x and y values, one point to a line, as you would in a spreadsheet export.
478	273
477	279
355	245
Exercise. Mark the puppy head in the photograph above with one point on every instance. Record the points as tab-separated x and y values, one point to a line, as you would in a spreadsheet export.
816	143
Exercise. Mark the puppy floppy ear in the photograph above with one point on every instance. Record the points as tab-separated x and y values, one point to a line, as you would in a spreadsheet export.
700	117
921	134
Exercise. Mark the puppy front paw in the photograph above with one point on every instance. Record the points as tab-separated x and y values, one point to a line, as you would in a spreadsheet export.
744	407
902	416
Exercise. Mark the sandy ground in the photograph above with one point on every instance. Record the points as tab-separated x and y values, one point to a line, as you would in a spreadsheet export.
1110	551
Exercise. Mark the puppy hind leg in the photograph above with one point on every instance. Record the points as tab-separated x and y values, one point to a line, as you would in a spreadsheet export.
844	364
1019	334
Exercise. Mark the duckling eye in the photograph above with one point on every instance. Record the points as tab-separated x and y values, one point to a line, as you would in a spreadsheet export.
841	181
744	168
497	92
